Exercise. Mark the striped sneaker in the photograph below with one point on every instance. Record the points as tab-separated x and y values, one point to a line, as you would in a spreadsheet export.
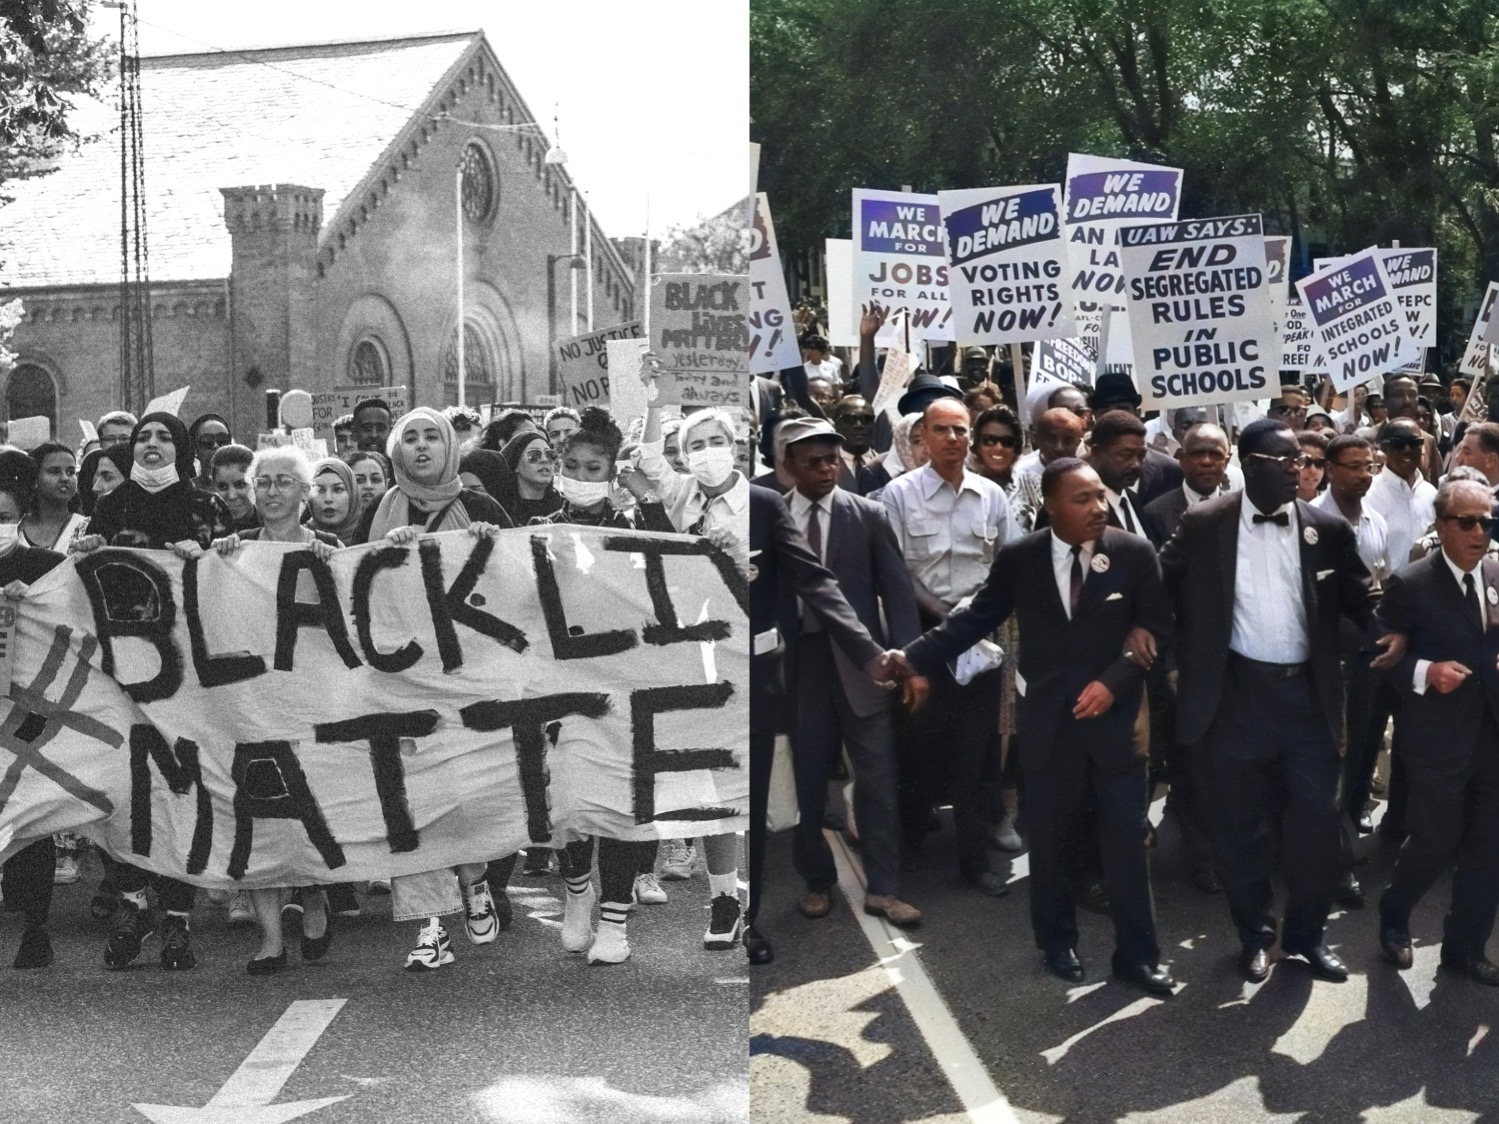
480	918
577	918
609	944
432	949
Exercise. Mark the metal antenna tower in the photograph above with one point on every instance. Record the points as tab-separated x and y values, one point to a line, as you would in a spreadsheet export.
137	379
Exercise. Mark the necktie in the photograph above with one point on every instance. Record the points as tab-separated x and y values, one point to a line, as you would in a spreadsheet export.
814	531
1129	522
1075	593
1280	519
1470	594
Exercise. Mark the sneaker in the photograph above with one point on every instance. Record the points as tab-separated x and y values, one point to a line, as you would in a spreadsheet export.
648	890
577	919
432	949
105	902
480	918
241	911
678	855
342	901
1005	837
66	871
725	923
291	914
176	955
35	950
610	945
132	925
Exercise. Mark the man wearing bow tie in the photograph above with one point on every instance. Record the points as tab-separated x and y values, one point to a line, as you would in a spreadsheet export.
1260	580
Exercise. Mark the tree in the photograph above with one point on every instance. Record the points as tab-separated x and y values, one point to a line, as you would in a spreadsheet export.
716	245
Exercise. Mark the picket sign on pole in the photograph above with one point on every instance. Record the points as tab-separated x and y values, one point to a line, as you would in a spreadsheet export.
1017	361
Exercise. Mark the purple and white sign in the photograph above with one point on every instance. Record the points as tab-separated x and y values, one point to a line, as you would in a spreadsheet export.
1102	194
1358	327
900	260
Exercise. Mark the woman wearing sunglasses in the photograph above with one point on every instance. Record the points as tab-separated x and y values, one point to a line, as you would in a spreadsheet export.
534	464
996	446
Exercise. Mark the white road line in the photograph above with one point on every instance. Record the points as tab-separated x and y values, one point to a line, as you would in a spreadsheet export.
260	1076
984	1103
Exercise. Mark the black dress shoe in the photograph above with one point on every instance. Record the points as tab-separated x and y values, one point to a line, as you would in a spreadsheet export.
1326	964
1397	947
315	948
1094	898
1206	880
267	965
1254	964
1065	965
987	882
1153	980
1482	970
1349	893
757	947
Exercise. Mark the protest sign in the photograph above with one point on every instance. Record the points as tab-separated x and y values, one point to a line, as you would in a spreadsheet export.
754	167
1101	195
900	367
1069	362
583	364
1356	323
1006	259
700	329
89	432
1475	362
438	702
626	391
1278	283
1413	280
1296	336
773	345
1199	310
28	433
167	403
330	405
899	260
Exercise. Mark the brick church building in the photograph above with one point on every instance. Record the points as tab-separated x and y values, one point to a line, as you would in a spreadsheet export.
301	215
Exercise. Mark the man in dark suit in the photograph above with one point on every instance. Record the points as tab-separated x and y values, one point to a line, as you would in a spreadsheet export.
833	700
1261	581
1158	473
1092	612
776	546
1204	461
1447	607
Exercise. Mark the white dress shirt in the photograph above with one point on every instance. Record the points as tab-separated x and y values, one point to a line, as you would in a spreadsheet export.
1458	573
948	535
1409	510
1269	607
1372	533
1119	501
1061	564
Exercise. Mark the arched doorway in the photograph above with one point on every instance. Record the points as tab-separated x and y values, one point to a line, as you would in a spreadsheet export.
29	393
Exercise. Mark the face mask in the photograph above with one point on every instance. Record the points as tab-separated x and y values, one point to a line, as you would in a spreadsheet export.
582	493
154	479
712	465
10	535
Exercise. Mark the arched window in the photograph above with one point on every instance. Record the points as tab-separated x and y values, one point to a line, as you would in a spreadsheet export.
480	187
29	393
479	365
368	364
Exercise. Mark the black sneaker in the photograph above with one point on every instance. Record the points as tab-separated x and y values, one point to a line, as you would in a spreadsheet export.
35	951
176	955
538	862
724	924
132	925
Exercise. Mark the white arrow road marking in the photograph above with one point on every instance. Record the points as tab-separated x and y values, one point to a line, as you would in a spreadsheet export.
246	1097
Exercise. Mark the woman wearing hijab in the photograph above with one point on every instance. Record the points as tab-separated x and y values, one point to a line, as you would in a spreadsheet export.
429	498
534	464
372	477
335	506
156	509
906	452
101	472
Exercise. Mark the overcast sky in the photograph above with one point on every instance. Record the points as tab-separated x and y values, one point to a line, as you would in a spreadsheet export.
652	95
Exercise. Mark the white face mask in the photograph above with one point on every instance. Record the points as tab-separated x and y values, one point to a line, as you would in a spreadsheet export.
582	493
10	535
712	465
154	479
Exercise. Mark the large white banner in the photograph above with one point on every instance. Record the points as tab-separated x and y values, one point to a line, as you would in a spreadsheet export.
1005	247
1103	194
773	345
899	260
269	719
1199	311
1358	329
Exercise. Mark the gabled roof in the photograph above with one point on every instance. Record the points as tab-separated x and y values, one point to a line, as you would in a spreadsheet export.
319	116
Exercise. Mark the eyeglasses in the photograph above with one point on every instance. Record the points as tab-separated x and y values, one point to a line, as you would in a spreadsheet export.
1402	442
1296	462
537	457
214	440
1006	440
276	483
1470	522
1360	467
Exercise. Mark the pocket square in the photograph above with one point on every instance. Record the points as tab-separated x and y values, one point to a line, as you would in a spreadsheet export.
1114	597
1323	575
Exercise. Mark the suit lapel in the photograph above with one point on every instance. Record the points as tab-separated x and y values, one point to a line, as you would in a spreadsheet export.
1048	575
1490	592
1307	545
838	530
1092	579
1454	587
1228	548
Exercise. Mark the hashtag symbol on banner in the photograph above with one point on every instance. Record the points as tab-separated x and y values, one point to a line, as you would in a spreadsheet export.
33	720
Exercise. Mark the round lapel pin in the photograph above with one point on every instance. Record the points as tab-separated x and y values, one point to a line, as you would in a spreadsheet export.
1100	564
1310	535
755	572
1493	596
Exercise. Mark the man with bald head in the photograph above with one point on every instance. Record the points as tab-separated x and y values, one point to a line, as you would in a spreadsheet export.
1204	459
950	522
1059	433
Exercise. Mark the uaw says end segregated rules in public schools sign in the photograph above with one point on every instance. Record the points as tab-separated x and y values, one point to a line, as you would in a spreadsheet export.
1200	311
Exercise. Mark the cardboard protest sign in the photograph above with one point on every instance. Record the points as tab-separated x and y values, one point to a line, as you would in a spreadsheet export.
1101	195
1199	311
899	260
626	391
1413	279
167	403
583	364
89	432
1296	337
28	433
330	405
900	368
1357	325
1278	284
433	703
1007	257
1476	355
700	329
773	345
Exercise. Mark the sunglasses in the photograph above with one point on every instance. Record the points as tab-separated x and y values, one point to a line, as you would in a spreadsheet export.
1402	442
1471	522
537	457
1006	440
1316	462
214	440
1297	462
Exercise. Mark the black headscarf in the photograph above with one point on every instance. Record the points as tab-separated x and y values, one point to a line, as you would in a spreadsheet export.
494	472
119	455
181	440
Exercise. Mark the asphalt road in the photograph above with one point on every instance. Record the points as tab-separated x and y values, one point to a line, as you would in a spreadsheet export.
514	1031
832	1040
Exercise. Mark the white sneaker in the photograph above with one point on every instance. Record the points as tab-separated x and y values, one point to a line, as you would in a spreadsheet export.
241	912
577	918
648	890
432	949
678	856
66	871
724	924
1005	837
610	945
480	919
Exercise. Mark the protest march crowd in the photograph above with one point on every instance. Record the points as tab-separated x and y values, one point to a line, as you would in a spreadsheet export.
200	491
1047	602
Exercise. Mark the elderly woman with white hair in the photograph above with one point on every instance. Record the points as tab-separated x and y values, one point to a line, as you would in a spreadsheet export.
282	479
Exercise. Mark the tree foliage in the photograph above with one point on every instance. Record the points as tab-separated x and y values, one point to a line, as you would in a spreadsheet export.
1345	122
